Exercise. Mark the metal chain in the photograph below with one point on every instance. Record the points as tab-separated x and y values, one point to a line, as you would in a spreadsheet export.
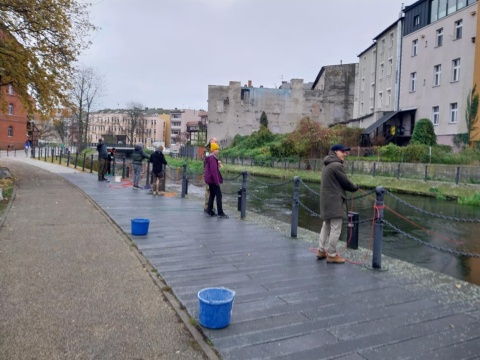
308	188
433	246
271	201
235	178
430	213
229	193
169	177
308	210
269	184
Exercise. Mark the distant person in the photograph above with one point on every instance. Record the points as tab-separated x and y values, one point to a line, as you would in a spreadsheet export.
110	158
158	161
102	160
207	188
27	147
137	162
213	178
333	203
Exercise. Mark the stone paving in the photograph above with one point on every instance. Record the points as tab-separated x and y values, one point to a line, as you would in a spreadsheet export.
288	305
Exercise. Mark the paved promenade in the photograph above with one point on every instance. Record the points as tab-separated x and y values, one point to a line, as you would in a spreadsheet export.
288	305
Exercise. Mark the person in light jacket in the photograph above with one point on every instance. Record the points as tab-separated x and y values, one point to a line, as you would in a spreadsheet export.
333	203
137	161
213	178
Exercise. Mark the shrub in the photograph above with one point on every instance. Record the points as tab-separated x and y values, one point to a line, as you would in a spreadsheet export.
424	133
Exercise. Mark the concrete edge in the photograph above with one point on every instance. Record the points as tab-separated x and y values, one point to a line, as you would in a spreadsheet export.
179	309
9	205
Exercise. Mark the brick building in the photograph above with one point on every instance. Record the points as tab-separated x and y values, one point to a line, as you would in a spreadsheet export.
13	119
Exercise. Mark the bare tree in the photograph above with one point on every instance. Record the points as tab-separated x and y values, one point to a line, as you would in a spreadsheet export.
136	122
88	88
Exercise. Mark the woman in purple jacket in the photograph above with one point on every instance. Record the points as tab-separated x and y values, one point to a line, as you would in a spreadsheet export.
213	178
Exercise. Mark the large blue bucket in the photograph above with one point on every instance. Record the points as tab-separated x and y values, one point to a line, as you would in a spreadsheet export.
215	307
140	226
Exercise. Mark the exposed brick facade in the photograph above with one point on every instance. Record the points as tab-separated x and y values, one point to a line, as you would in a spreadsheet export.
17	121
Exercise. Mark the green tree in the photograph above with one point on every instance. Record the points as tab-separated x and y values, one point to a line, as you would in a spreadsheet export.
471	114
264	120
40	41
424	133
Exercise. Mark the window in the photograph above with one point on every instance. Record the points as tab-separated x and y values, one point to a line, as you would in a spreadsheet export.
10	109
453	113
382	70
391	40
383	45
435	114
388	100
456	70
415	47
10	89
380	100
458	29
437	71
413	81
390	67
363	85
416	20
10	131
439	37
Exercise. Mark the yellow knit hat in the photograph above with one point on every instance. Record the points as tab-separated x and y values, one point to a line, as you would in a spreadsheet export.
214	146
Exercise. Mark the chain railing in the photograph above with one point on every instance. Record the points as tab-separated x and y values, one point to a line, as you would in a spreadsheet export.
440	216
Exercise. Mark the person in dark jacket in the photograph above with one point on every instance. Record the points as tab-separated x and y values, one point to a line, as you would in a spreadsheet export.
158	161
110	158
333	203
213	178
137	161
102	160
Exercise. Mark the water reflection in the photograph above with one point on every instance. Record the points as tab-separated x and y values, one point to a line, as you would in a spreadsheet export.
276	202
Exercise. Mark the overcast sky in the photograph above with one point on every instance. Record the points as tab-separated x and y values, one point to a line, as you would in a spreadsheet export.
165	53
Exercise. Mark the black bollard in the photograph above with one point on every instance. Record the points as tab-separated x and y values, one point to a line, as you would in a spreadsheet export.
243	200
76	158
53	154
378	229
147	185
84	160
352	230
457	175
164	177
91	163
294	226
68	158
123	167
184	180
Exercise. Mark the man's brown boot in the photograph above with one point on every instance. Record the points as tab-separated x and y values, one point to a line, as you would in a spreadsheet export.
321	255
337	259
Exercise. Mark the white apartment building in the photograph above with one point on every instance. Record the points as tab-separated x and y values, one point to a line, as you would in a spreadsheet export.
113	127
438	63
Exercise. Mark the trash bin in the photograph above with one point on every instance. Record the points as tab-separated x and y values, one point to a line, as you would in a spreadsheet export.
215	307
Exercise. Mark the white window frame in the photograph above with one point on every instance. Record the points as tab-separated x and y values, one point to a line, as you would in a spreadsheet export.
10	89
382	70
413	82
458	29
453	113
437	75
10	109
390	67
391	40
380	99
439	40
416	20
388	99
415	47
10	131
456	70
435	115
374	61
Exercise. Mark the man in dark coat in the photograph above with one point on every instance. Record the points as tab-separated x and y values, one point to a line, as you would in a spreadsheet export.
333	203
102	160
158	161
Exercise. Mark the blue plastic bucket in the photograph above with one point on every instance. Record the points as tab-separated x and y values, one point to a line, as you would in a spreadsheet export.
215	307
140	226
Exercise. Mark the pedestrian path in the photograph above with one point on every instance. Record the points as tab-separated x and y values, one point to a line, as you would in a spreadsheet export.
288	305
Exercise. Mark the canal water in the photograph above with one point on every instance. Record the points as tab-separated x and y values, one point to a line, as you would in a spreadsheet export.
269	197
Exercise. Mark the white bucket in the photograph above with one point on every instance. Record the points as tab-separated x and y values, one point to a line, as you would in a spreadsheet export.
118	179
